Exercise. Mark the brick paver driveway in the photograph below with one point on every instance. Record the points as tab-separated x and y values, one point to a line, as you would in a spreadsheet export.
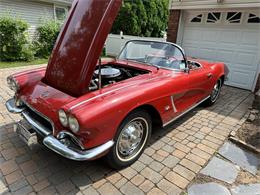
169	164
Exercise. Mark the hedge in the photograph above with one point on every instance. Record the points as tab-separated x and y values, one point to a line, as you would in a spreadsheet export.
47	34
14	42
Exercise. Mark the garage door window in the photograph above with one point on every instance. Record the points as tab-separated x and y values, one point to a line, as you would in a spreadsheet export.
234	17
197	19
213	17
253	19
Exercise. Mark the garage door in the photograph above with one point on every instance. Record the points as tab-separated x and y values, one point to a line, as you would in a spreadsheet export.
232	37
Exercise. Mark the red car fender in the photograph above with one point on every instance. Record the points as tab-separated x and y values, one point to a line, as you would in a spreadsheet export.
100	118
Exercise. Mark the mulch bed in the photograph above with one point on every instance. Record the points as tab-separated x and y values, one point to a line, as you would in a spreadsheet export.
249	133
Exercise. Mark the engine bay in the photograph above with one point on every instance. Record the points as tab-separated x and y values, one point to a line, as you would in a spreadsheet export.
111	74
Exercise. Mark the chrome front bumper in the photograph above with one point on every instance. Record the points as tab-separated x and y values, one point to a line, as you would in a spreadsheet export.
58	145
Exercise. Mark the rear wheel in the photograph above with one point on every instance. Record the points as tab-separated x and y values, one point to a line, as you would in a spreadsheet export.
214	94
131	138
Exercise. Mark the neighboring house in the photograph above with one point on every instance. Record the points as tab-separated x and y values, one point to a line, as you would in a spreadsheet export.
35	12
220	30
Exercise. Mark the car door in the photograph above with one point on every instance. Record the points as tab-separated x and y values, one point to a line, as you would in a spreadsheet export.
200	81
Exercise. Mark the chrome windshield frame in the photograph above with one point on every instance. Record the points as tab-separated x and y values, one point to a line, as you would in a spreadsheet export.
165	42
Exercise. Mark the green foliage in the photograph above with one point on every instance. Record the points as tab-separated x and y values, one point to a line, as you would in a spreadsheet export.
14	44
142	18
46	38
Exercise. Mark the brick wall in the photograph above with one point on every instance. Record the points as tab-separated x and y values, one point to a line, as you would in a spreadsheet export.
173	25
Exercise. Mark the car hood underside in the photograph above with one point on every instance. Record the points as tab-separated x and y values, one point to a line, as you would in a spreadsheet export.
79	45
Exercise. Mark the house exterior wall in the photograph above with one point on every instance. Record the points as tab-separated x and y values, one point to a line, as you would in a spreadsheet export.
34	12
61	2
213	4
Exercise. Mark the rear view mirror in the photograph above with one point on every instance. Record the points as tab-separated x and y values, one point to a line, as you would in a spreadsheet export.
156	45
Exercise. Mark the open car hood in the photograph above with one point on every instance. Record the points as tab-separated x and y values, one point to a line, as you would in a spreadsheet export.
79	45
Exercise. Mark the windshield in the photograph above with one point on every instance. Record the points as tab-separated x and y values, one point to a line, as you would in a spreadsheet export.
158	54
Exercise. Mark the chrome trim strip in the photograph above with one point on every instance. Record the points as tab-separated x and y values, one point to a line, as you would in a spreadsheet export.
100	95
38	127
11	107
185	112
55	145
108	92
64	134
173	105
37	112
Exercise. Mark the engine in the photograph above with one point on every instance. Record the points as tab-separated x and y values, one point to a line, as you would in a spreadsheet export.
111	74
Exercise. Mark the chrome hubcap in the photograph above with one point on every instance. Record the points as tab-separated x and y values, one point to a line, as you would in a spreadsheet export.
215	92
131	138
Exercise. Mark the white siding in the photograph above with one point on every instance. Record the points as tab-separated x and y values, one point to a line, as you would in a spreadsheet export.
60	2
32	12
207	4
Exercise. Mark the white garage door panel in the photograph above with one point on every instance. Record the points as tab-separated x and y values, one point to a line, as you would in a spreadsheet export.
237	45
249	38
245	61
241	78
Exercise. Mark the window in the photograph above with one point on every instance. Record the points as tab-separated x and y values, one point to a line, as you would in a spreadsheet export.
197	19
213	17
234	17
60	13
253	19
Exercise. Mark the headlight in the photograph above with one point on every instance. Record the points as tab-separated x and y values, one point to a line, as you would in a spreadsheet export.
74	124
12	84
63	118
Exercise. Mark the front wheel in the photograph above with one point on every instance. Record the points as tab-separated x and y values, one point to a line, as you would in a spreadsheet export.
214	94
130	141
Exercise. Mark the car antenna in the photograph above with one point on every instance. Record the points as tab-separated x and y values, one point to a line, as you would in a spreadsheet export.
99	74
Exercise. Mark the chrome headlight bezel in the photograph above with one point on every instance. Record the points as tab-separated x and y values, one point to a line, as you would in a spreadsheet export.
73	124
18	102
63	118
13	84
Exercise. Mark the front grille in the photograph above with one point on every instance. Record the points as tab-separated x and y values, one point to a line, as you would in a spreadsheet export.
39	118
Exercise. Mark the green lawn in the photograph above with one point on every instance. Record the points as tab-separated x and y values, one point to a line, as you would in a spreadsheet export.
21	63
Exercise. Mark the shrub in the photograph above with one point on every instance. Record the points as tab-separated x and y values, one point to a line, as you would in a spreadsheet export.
14	44
46	38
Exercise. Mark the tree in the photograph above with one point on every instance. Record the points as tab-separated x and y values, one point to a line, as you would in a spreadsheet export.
142	18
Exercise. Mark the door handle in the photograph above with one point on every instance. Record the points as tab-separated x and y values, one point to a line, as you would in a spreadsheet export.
209	75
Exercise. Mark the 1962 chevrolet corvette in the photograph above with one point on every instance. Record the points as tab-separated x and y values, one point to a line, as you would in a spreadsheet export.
83	110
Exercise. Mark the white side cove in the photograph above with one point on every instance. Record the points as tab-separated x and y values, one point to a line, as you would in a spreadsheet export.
185	112
173	105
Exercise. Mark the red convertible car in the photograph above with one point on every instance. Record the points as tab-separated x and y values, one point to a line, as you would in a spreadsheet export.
82	108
